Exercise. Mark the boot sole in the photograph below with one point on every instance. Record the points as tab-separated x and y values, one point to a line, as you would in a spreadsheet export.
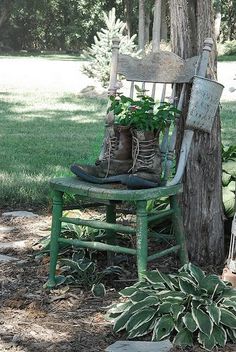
131	181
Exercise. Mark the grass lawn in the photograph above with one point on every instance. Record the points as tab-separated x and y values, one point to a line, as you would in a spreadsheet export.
45	126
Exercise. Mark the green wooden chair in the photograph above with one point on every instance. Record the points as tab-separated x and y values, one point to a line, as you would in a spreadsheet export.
168	69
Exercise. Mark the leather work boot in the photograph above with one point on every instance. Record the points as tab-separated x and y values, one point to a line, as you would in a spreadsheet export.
115	159
146	169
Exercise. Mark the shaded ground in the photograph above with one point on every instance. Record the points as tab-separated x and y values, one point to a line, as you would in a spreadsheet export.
32	319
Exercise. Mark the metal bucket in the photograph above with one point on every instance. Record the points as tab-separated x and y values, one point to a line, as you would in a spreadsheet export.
204	101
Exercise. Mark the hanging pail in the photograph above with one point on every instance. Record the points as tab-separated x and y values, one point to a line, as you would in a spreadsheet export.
204	101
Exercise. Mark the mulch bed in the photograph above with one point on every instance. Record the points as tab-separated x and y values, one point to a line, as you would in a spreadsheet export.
65	319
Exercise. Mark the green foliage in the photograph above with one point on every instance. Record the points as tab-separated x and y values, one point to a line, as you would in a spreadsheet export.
80	270
189	308
229	179
143	114
100	52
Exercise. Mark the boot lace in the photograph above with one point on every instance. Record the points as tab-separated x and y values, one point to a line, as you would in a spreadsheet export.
143	153
111	147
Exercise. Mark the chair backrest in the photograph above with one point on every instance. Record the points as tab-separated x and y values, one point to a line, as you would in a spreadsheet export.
159	73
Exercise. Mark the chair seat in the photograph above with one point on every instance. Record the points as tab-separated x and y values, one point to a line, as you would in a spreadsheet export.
113	191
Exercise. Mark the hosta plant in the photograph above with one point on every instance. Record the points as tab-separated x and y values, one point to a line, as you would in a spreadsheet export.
188	308
83	272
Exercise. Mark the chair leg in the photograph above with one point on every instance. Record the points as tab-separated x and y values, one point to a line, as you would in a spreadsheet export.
177	221
141	237
55	233
111	236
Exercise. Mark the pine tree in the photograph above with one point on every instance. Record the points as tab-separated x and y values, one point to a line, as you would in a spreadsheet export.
100	52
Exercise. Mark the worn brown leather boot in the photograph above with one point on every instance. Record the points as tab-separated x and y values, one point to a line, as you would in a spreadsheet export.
146	169
115	158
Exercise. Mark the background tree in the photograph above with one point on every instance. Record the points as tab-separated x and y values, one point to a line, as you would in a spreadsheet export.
192	22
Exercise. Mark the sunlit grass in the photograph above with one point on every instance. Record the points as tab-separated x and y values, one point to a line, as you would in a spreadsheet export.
228	123
40	138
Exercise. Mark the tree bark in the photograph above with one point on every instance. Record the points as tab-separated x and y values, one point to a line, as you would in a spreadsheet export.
192	22
141	25
156	30
5	11
128	6
217	18
164	27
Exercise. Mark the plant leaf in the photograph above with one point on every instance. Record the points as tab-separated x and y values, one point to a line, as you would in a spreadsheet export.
183	338
194	271
128	291
164	308
203	321
121	322
208	342
212	283
219	335
138	296
163	328
187	287
177	309
142	330
214	312
140	317
98	290
147	302
228	318
189	322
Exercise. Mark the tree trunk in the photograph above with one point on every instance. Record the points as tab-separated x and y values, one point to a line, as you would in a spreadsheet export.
217	18
5	11
164	27
156	30
191	23
141	25
128	6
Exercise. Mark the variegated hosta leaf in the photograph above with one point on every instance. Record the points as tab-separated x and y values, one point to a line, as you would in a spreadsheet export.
98	290
142	285
203	321
231	334
147	302
208	342
188	287
229	303
163	327
212	284
156	277
176	310
229	292
219	335
119	308
228	318
138	296
185	276
164	308
214	312
121	321
183	338
141	330
140	317
189	322
194	271
179	325
172	296
128	291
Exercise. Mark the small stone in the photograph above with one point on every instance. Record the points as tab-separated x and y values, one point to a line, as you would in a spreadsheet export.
7	229
140	346
19	214
7	258
14	245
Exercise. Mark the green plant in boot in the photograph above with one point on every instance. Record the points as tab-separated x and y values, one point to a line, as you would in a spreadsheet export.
188	308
